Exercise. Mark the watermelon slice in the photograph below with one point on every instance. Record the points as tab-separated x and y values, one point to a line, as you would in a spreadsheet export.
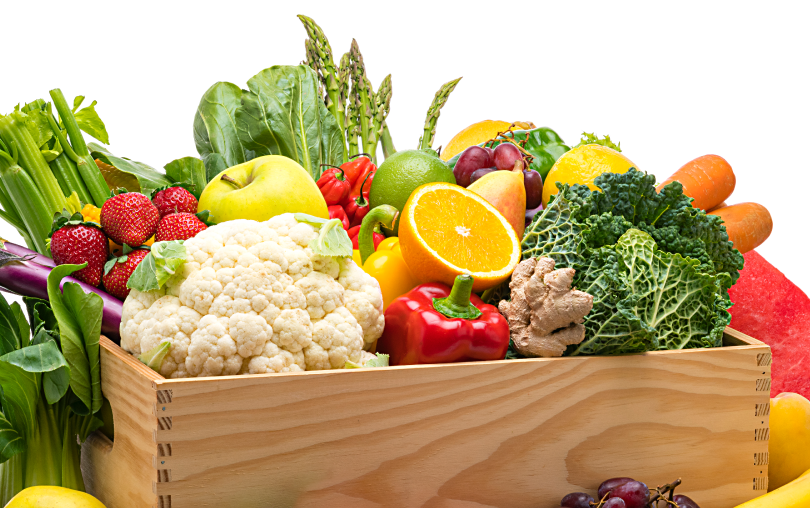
768	307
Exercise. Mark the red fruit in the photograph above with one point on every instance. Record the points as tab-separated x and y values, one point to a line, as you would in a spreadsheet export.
77	244
115	280
178	226
129	218
174	200
768	307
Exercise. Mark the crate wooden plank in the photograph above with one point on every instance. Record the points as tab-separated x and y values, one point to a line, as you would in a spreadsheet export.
505	434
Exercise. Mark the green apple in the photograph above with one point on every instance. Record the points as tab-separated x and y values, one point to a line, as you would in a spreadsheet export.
260	189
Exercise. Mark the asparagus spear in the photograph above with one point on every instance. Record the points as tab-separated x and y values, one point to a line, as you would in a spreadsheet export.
366	98
352	114
319	57
426	141
371	113
382	106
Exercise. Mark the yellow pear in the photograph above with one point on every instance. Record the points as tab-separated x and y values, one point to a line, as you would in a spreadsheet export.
505	191
262	188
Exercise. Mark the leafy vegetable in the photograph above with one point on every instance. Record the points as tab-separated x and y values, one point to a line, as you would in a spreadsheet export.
332	239
49	386
88	120
589	138
189	171
282	114
215	132
148	177
658	269
158	266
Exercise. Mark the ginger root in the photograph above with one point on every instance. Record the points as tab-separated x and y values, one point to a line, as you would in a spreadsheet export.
545	314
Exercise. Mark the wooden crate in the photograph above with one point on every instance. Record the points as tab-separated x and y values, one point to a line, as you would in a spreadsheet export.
511	434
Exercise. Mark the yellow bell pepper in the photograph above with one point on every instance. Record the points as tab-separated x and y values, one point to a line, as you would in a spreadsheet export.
386	263
56	497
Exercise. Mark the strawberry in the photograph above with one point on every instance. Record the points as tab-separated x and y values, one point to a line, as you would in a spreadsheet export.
174	200
75	242
118	270
178	226
129	218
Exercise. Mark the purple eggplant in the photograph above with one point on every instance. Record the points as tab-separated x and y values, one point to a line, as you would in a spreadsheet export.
19	250
27	278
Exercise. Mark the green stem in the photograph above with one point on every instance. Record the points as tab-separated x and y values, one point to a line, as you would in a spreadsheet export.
439	100
65	169
383	214
12	477
387	142
458	304
27	201
16	137
91	175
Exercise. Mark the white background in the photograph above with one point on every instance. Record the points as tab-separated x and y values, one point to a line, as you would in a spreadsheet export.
670	82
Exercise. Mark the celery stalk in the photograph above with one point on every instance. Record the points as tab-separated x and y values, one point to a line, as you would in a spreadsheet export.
14	133
88	170
64	166
27	200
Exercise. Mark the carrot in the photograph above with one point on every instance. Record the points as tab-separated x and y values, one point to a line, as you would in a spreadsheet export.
721	205
708	179
747	224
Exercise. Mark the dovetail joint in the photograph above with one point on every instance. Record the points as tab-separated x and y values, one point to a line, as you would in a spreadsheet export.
762	434
761	459
762	409
761	483
764	384
763	360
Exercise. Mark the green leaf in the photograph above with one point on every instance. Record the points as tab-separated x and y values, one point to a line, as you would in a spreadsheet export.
589	138
332	239
283	114
11	442
189	171
148	177
22	323
44	357
164	260
553	233
10	338
380	360
215	133
89	122
77	102
79	317
154	357
36	122
19	395
40	313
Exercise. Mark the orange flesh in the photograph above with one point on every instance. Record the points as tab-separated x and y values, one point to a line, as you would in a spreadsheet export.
462	231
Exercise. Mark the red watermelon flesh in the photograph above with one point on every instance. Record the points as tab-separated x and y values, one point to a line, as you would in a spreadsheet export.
768	307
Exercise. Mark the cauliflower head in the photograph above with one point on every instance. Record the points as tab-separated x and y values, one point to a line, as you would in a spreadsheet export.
253	298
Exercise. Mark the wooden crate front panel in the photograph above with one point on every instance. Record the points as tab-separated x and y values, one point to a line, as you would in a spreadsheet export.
502	434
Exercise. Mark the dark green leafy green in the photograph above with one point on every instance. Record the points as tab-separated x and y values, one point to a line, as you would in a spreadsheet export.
215	133
148	177
282	114
189	171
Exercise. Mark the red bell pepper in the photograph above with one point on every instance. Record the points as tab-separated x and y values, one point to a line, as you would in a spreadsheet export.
334	186
364	179
436	324
354	235
357	167
357	206
337	212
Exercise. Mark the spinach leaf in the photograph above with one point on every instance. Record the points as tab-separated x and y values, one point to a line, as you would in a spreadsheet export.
215	132
282	114
189	171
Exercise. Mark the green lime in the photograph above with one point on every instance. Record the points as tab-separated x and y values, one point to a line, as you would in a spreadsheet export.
403	172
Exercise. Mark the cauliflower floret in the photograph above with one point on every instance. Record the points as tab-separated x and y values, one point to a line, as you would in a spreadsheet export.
253	298
335	339
364	300
272	359
136	310
212	351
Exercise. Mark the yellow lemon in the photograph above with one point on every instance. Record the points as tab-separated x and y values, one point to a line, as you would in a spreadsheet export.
476	134
582	165
53	497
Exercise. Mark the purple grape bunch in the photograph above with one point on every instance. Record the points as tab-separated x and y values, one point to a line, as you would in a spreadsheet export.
626	492
477	161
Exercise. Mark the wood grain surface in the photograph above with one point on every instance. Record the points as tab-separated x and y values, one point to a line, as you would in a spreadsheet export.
511	434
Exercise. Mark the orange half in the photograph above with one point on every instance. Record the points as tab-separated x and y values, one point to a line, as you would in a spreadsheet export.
446	230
